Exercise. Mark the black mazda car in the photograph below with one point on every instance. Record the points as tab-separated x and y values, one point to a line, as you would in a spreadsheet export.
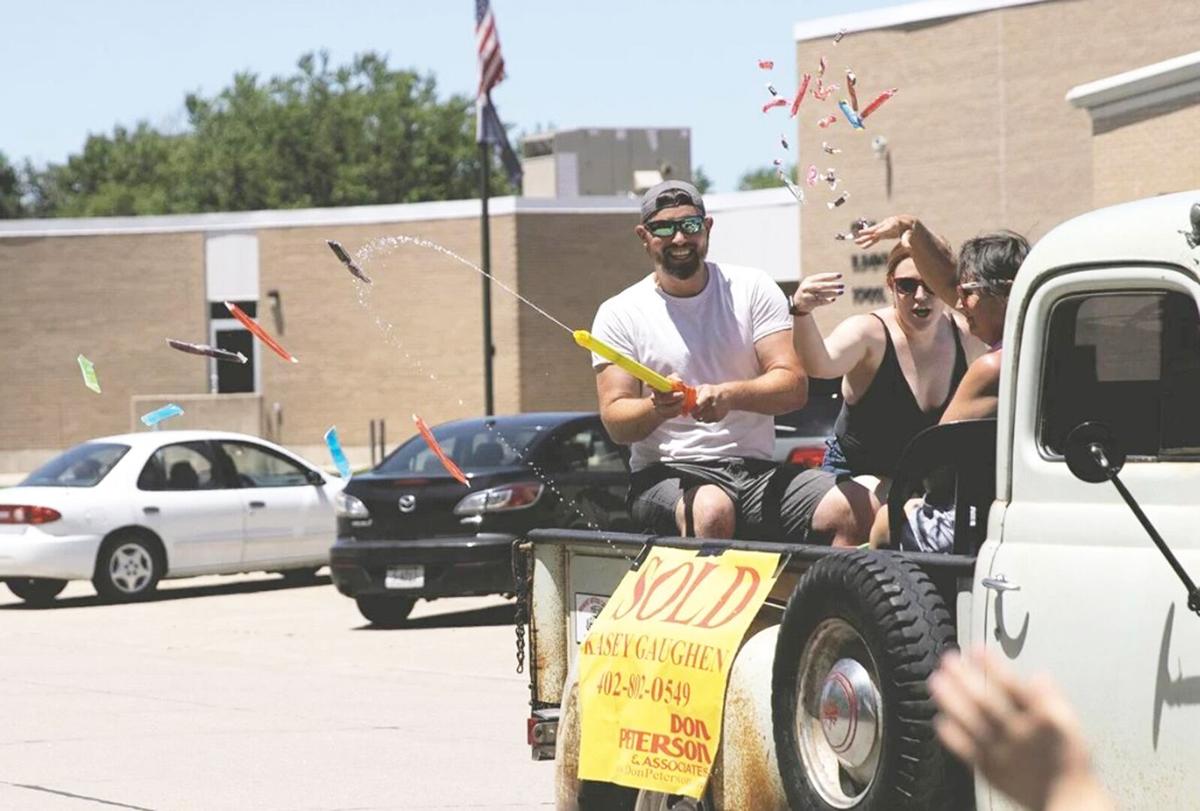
407	529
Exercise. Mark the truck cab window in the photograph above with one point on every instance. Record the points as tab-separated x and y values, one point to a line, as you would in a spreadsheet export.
1128	359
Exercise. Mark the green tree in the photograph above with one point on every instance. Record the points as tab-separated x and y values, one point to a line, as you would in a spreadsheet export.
134	172
701	181
765	178
358	134
10	190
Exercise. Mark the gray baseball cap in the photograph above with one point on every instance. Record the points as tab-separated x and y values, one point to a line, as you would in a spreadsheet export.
670	193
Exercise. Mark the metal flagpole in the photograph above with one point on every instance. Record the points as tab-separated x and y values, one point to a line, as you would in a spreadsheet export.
489	405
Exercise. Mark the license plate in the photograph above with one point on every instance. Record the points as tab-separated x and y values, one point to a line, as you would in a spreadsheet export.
405	577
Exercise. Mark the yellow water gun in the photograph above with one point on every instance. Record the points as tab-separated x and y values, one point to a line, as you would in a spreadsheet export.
643	373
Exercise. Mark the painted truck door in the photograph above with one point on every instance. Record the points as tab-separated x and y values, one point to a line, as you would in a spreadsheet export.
1076	588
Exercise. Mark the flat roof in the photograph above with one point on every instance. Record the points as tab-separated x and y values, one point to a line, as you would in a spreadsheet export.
547	134
218	221
896	16
1149	85
234	221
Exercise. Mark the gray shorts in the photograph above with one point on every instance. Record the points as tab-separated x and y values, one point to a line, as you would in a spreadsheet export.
774	502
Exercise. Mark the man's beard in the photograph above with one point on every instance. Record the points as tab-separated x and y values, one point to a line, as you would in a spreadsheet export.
682	268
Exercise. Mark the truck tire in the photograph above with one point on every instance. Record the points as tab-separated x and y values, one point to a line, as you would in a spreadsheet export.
36	591
852	716
384	611
300	577
597	796
611	797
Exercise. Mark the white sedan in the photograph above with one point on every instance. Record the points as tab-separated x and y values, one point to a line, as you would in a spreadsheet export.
125	511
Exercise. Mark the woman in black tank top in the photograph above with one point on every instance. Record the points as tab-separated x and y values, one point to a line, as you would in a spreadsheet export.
871	434
883	408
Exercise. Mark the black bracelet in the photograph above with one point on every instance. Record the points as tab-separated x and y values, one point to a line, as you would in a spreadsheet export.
795	311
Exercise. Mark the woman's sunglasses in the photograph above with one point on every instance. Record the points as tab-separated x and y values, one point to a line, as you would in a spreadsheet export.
667	228
908	286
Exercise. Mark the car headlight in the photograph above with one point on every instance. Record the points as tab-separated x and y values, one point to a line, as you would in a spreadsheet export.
500	499
347	506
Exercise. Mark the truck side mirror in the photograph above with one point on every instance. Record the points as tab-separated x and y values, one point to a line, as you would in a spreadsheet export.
1092	452
1093	455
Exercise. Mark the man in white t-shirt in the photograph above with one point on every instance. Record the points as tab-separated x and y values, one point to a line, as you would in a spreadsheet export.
726	331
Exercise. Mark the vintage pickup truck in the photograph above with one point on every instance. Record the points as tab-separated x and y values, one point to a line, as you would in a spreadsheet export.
1077	510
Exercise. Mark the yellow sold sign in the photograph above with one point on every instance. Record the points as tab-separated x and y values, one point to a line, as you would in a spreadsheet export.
653	668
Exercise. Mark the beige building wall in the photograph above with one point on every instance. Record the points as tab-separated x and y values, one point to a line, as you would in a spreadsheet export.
979	135
111	298
225	412
569	264
1146	153
409	343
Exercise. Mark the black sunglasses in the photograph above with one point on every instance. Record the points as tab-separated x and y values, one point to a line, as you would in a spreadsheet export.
908	286
667	228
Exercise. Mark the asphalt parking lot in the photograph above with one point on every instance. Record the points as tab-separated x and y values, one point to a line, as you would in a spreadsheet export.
236	692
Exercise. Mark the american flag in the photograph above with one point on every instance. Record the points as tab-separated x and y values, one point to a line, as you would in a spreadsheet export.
488	128
487	44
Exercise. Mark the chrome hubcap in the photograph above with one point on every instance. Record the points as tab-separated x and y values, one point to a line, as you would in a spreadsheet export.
839	726
849	713
130	568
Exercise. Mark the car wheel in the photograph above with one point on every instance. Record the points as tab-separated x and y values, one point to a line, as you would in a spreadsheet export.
36	590
300	577
384	611
852	716
128	568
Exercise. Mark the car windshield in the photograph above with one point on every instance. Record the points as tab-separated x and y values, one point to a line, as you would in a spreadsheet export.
82	466
472	446
818	416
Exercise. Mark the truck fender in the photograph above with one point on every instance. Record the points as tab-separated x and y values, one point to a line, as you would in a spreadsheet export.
566	747
746	774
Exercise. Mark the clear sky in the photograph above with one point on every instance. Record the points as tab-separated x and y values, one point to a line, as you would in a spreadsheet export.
72	68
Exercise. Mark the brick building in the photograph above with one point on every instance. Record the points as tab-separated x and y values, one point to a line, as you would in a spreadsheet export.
982	134
114	288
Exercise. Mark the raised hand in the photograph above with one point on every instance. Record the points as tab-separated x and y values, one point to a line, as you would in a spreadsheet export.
1023	736
817	291
894	227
